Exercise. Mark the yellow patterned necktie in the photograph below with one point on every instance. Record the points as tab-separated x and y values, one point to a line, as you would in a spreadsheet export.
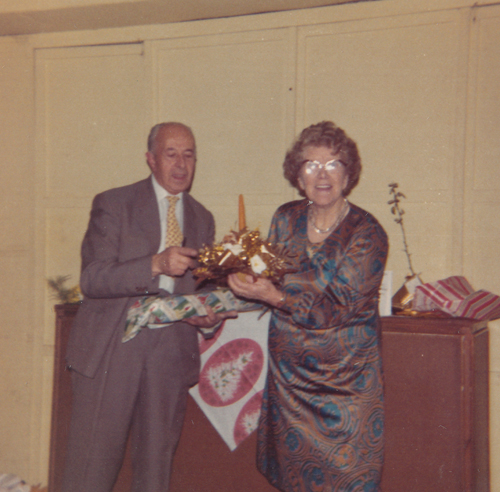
174	233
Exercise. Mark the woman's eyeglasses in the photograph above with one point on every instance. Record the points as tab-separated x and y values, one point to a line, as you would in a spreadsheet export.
314	167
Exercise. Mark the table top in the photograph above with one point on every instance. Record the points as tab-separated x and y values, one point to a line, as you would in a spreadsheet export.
432	325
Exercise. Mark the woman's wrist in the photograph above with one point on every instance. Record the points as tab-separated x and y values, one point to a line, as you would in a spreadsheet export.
281	300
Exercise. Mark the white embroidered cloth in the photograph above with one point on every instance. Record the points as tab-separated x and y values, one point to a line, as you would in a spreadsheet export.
232	376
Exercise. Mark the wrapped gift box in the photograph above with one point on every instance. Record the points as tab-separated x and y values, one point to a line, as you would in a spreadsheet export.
159	312
455	296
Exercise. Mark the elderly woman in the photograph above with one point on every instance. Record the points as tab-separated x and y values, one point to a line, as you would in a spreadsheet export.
321	426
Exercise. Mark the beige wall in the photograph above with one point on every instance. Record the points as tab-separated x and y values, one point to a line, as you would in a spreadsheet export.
18	332
415	85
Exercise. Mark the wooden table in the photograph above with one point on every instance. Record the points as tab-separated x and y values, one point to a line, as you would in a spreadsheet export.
436	416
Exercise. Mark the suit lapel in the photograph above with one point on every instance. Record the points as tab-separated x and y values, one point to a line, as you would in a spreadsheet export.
185	283
190	232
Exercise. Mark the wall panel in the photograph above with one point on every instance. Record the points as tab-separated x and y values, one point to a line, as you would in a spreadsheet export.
91	107
18	328
17	335
482	190
482	185
91	135
394	85
487	101
235	91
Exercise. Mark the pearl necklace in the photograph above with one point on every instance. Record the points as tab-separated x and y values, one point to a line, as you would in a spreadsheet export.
340	218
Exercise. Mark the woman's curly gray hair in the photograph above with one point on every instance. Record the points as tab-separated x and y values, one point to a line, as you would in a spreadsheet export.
324	134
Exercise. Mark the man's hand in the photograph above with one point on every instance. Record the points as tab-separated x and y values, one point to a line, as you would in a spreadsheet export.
174	261
211	319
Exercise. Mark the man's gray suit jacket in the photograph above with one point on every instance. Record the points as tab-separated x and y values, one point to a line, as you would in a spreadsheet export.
123	234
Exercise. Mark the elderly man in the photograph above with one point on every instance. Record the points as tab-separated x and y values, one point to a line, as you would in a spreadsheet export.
142	240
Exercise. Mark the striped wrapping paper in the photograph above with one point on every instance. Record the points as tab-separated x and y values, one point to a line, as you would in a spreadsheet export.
455	296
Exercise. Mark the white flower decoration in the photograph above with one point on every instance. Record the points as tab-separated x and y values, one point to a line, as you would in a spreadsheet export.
265	250
257	264
236	249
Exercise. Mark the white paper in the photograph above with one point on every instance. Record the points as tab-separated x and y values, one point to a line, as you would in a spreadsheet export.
385	300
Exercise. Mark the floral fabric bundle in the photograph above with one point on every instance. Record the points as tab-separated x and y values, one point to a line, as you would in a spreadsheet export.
158	312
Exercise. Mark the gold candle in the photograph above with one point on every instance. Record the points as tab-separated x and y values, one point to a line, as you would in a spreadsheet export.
241	213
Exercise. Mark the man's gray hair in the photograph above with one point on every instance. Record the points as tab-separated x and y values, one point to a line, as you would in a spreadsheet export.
155	130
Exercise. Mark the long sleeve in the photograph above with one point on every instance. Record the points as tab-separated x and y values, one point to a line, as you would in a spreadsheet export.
116	254
340	283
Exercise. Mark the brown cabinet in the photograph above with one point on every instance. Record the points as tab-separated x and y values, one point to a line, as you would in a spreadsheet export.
436	423
61	405
436	401
61	396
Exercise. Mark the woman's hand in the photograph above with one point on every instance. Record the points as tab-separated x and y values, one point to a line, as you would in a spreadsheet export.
257	289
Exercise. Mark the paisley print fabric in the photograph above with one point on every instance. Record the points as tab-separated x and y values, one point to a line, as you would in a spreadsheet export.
322	419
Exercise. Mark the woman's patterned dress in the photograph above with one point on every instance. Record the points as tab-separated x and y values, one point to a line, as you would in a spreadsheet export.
321	427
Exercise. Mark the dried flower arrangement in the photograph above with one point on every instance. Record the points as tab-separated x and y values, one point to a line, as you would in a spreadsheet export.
399	212
242	252
403	297
62	293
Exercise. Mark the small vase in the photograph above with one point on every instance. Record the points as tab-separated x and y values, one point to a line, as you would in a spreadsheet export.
403	298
